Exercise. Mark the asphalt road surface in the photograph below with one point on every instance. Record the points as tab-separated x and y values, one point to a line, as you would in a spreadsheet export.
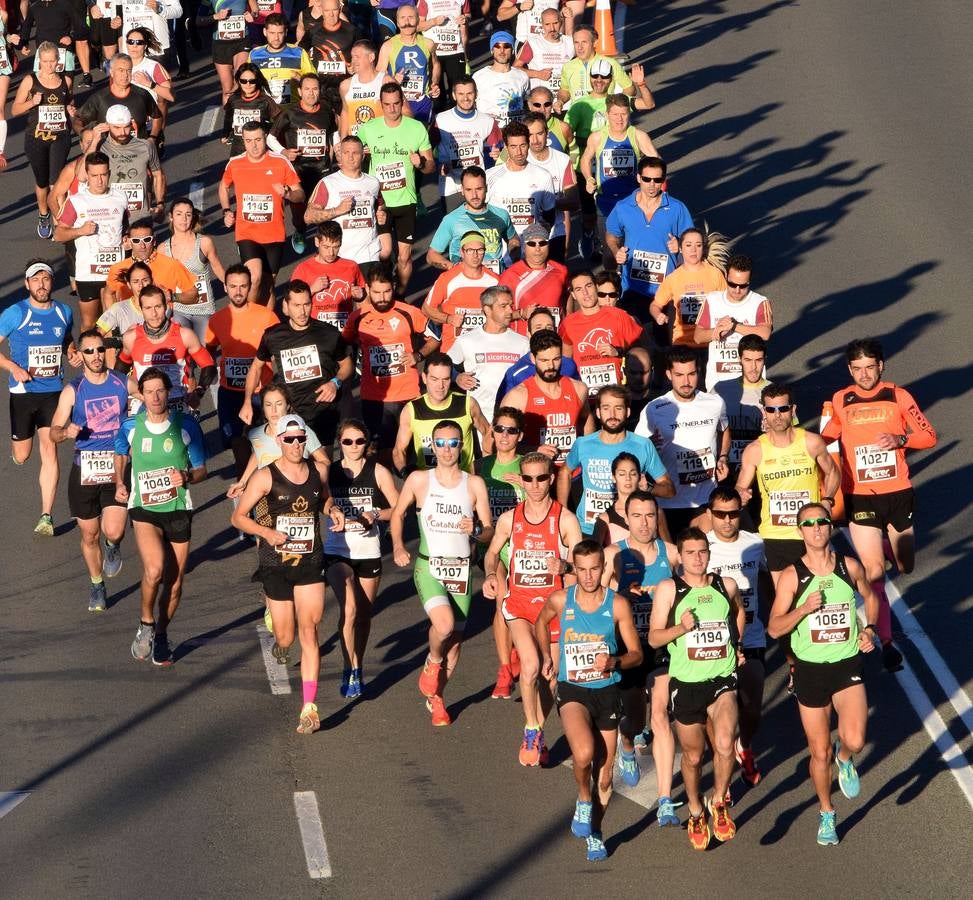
829	139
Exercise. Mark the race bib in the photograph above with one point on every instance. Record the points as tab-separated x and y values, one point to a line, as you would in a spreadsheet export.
391	176
595	503
335	317
413	84
353	508
331	67
689	306
598	376
235	370
202	287
300	364
387	361
649	268
300	533
873	464
530	569
580	659
44	361
311	142
709	641
97	467
52	119
726	357
446	37
241	117
831	624
472	318
695	466
468	155
784	506
134	194
258	208
618	163
521	211
361	214
103	260
641	613
155	487
232	28
736	450
452	572
560	437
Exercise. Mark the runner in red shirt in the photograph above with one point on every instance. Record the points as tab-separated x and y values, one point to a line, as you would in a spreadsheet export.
535	280
336	283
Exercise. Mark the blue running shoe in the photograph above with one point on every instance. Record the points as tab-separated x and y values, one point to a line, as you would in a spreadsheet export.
354	685
827	833
847	775
628	768
596	849
345	679
581	823
666	814
642	741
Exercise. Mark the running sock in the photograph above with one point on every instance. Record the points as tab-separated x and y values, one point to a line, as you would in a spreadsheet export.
884	624
310	691
3	134
109	543
97	579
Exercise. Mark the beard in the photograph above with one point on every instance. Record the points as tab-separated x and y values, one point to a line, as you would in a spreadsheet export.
550	375
617	428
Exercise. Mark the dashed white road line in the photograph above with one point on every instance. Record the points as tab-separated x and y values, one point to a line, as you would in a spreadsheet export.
276	673
312	834
207	122
196	194
644	793
9	800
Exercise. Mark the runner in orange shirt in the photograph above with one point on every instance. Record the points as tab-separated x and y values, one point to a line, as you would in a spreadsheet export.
167	273
454	301
261	182
876	421
389	334
235	331
336	283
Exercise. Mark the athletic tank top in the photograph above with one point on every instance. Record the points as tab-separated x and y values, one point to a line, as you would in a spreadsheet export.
787	478
153	457
529	583
98	410
551	420
637	581
354	495
361	101
439	534
425	417
49	120
293	510
414	62
583	636
617	160
502	494
830	634
97	253
707	651
169	355
199	266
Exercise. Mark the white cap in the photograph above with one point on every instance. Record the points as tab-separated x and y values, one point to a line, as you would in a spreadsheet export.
118	115
601	67
290	422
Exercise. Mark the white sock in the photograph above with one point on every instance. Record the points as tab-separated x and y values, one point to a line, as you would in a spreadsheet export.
3	134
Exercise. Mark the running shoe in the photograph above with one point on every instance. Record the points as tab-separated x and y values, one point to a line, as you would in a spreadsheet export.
666	813
827	830
596	848
45	227
84	80
728	798
97	598
723	827
545	755
281	654
268	621
847	775
504	685
436	706
581	823
514	663
642	741
530	749
748	764
345	678
111	559
891	658
698	829
628	768
45	525
161	651
354	685
429	678
297	242
142	645
310	721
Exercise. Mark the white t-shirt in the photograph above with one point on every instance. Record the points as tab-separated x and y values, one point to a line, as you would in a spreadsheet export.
547	55
529	22
461	145
502	95
359	230
685	434
724	358
742	559
558	166
527	195
488	356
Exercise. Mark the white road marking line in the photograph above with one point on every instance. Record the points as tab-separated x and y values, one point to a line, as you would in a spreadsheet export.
644	793
312	834
276	673
196	190
9	800
207	122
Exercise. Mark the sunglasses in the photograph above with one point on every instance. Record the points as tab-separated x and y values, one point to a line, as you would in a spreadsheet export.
725	513
91	351
778	409
506	429
134	42
246	80
141	240
452	443
605	77
807	523
607	293
540	479
535	105
537	243
502	47
294	439
739	287
353	442
651	179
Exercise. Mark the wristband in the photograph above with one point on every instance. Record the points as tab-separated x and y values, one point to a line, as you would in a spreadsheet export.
903	440
337	382
829	500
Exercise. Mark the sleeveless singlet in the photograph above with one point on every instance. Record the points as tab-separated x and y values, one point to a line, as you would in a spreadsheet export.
787	478
706	652
99	409
425	417
635	573
829	635
583	636
529	582
362	102
294	510
355	495
551	420
199	266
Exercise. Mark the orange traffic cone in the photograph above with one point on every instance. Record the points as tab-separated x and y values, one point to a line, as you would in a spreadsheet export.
605	45
838	510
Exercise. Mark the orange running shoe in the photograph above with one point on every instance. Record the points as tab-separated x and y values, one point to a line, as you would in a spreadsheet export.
698	830
723	827
530	749
505	683
429	678
748	764
515	663
436	706
545	753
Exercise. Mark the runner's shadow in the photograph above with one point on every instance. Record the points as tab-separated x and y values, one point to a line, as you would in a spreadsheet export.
460	706
201	640
630	833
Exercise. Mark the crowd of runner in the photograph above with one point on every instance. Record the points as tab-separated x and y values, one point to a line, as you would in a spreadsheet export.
577	414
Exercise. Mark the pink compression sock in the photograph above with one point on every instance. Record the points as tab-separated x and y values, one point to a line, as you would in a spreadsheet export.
310	689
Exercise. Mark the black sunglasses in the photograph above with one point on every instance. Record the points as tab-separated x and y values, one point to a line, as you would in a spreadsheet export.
607	293
807	523
537	243
651	179
506	429
739	287
538	478
778	409
353	442
294	439
134	42
725	513
247	80
91	351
